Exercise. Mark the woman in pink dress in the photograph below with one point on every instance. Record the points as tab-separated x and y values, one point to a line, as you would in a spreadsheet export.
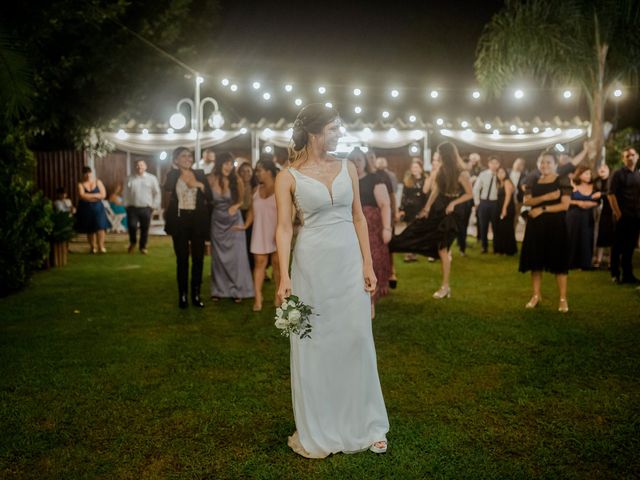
263	216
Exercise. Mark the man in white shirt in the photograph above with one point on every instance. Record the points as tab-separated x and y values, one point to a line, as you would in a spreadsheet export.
141	196
485	197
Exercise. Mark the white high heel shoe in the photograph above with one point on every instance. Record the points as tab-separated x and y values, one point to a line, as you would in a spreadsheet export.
443	292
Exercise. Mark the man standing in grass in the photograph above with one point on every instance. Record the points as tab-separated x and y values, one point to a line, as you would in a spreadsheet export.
624	197
141	196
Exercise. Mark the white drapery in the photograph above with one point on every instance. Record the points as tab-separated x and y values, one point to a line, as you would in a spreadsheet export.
516	142
390	138
153	143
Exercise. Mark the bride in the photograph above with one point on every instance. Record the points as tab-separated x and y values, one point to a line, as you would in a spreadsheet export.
337	400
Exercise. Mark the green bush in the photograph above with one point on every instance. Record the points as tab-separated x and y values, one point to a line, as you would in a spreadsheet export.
61	226
25	216
617	142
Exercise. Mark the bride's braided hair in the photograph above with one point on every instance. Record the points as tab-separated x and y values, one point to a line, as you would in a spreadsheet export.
311	119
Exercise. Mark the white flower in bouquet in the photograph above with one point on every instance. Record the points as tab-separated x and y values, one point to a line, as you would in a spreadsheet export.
293	317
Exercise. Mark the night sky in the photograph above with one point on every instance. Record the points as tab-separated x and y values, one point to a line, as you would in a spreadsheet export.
413	46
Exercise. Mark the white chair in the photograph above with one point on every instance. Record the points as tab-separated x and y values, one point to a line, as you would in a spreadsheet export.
115	219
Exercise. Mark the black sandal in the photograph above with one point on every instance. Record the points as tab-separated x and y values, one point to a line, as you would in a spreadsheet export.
393	283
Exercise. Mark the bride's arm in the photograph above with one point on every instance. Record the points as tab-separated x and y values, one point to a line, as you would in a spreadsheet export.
284	229
360	223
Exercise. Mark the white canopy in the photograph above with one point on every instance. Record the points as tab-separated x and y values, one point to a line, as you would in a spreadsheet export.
516	142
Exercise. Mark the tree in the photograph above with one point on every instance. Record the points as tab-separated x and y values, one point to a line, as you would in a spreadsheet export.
593	44
91	69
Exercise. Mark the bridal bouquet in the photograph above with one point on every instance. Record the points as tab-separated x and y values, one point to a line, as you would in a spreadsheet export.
292	317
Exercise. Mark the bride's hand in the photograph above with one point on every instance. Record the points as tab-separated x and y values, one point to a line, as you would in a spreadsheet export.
370	280
284	289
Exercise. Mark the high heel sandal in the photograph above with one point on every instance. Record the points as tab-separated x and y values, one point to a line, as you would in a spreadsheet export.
443	292
533	303
563	306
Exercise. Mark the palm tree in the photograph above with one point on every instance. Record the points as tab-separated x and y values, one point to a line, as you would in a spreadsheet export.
16	80
593	44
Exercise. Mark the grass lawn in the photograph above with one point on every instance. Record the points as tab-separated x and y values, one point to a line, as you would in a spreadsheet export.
101	376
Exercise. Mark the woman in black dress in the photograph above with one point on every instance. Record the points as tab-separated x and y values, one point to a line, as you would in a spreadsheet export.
413	198
504	240
581	219
187	221
605	223
436	226
545	245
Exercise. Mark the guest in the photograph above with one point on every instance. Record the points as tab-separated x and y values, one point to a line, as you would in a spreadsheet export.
116	202
466	209
383	166
426	189
485	197
605	221
187	221
474	166
624	197
249	183
230	271
376	206
413	198
91	217
63	202
517	176
208	161
262	216
436	227
142	195
545	246
504	240
580	219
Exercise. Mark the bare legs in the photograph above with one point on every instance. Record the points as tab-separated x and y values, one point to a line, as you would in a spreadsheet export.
259	271
96	241
445	266
536	283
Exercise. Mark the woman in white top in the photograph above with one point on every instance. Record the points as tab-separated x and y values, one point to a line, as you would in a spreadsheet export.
337	399
187	221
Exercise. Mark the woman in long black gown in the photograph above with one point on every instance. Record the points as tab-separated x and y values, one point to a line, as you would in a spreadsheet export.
581	219
545	246
504	239
435	228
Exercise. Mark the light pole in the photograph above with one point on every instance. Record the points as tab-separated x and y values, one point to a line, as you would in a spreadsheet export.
178	121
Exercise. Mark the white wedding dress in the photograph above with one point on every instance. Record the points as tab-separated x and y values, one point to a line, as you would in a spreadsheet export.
337	400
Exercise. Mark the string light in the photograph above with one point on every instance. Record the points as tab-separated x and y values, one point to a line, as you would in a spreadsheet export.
121	135
266	96
163	155
256	85
200	80
328	105
434	94
518	94
535	129
513	128
225	82
298	102
395	93
233	87
322	90
412	118
617	92
170	131
288	87
464	124
476	94
439	122
567	94
357	109
385	114
357	92
520	131
487	126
